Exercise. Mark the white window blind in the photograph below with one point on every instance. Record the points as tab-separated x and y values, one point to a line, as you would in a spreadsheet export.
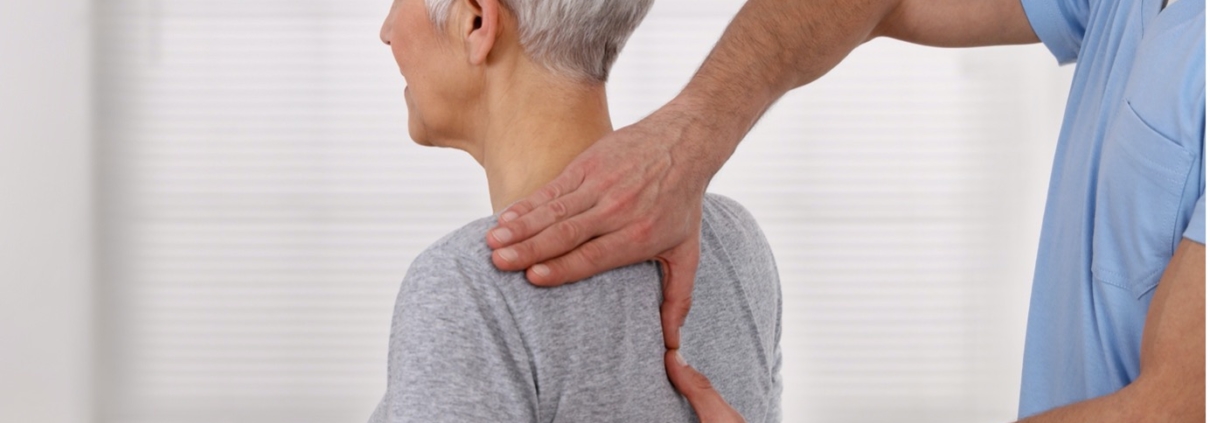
261	201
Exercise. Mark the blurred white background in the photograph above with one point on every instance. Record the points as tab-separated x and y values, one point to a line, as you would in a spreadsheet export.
206	207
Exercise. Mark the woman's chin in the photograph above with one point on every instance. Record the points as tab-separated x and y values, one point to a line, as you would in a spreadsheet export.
419	138
415	129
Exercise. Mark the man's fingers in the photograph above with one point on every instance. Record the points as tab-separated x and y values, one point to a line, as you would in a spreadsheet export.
707	403
563	238
680	269
537	220
566	182
607	252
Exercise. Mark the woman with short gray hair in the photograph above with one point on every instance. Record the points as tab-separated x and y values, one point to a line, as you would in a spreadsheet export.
519	85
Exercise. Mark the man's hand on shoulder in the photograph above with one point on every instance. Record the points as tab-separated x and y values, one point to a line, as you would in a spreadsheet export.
635	195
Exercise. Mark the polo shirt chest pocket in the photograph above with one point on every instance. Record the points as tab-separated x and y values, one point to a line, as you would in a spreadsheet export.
1140	184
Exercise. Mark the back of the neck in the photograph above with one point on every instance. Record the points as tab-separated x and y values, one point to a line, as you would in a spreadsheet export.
535	128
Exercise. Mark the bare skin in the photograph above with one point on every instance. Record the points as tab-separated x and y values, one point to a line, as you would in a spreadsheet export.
636	195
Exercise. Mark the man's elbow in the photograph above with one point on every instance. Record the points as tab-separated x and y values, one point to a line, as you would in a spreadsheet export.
1178	398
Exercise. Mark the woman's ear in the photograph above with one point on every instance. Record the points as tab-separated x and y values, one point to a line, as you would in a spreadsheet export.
480	28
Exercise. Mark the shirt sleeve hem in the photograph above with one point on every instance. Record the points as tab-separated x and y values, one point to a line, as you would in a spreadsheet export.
1196	231
1048	22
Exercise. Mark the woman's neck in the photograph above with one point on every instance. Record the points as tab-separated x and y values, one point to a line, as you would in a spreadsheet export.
533	129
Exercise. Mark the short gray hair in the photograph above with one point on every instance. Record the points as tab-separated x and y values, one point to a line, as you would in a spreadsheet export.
578	38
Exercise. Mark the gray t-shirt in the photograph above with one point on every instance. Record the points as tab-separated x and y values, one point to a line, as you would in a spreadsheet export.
470	343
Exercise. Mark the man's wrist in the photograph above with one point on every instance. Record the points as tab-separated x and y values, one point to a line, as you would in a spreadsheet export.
699	135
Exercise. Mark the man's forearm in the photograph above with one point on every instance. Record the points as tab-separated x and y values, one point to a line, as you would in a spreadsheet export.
774	46
771	47
1145	401
1107	409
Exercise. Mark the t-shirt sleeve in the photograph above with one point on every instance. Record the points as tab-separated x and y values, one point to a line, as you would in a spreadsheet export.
1060	24
455	353
1196	230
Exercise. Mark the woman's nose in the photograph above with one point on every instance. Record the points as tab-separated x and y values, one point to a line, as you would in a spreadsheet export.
384	34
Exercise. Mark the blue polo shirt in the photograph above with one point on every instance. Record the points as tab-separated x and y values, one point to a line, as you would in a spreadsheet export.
1126	186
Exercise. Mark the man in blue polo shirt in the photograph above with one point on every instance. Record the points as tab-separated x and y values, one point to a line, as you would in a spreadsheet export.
1116	326
1127	186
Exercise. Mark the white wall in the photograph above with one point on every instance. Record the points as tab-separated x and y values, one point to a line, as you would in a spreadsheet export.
45	216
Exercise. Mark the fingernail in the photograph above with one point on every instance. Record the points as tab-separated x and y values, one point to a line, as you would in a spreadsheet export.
508	255
541	270
502	235
508	216
680	360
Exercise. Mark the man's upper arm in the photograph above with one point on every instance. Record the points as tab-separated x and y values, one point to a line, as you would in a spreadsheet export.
455	354
960	23
1171	384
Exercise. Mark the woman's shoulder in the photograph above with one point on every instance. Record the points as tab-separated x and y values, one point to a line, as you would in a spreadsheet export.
459	260
469	241
728	222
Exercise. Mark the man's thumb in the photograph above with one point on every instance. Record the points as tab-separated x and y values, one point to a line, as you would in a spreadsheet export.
707	403
680	267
